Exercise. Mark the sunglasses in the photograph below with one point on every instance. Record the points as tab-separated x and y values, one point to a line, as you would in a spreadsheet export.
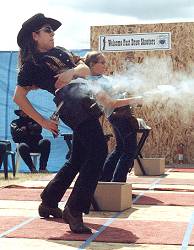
46	29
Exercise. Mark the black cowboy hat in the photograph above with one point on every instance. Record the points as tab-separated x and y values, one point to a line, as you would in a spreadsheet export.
33	24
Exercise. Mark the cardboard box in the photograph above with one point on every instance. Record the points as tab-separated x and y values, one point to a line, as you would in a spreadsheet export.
152	166
113	196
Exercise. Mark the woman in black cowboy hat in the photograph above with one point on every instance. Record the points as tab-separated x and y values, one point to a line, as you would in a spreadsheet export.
27	133
47	67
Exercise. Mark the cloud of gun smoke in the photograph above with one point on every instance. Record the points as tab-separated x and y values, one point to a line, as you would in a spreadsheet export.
156	81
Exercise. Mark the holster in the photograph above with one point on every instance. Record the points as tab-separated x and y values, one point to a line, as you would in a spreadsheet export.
125	112
78	107
90	105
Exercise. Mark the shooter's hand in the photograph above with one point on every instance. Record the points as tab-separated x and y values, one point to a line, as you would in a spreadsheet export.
50	125
64	78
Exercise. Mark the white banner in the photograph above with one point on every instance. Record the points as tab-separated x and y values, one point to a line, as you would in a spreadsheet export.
135	41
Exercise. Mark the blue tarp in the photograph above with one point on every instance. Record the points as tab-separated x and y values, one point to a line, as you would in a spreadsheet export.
42	101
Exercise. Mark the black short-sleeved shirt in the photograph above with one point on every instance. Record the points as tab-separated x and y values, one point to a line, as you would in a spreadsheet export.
41	72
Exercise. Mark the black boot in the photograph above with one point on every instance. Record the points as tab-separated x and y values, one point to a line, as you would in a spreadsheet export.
33	170
75	221
43	171
45	211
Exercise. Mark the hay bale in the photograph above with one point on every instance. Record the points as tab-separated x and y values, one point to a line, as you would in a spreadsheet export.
168	126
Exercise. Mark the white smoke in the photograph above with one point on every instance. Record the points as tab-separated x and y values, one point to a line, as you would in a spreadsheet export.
157	82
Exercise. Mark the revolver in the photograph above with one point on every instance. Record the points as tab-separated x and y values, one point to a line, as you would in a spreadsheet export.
55	115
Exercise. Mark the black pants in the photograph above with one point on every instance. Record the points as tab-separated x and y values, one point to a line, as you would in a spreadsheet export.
42	147
120	161
2	152
89	151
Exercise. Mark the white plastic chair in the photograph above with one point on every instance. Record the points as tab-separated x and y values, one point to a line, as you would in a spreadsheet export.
34	156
